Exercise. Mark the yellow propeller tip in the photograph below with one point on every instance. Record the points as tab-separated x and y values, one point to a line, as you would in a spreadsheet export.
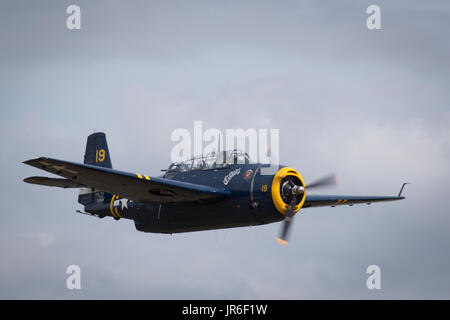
283	242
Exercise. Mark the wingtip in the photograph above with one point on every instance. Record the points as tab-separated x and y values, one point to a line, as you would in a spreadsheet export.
29	161
30	179
401	190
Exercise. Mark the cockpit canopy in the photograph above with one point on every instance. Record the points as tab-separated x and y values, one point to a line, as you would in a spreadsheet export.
211	161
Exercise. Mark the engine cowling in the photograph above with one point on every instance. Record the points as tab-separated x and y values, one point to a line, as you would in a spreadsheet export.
288	183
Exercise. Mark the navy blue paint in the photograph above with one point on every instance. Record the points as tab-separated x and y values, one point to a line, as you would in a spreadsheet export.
206	201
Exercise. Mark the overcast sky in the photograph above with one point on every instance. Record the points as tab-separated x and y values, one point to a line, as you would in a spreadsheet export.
371	105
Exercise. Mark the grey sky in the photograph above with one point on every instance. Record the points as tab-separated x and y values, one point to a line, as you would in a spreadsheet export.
373	106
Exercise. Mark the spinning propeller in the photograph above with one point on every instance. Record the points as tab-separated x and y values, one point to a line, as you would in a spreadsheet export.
292	193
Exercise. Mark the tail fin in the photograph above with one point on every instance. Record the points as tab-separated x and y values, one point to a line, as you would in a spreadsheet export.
97	152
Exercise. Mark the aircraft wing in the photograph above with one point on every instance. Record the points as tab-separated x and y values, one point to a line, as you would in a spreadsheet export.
132	186
334	200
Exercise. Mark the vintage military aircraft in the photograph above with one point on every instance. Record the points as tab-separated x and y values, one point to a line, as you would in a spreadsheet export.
219	190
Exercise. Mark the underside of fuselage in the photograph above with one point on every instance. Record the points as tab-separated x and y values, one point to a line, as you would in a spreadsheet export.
173	220
167	218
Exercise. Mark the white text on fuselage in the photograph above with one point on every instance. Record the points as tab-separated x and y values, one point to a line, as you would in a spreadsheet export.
230	176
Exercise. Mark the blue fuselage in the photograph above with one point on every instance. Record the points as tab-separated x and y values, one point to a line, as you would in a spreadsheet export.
250	203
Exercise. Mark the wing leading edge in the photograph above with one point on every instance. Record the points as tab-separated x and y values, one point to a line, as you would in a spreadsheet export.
335	200
136	187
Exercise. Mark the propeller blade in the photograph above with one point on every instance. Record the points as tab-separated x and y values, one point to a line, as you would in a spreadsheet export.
294	190
330	180
287	223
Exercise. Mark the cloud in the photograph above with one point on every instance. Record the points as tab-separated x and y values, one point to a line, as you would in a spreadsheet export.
371	106
42	238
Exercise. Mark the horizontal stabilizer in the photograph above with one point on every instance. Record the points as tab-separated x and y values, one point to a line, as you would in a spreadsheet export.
52	182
